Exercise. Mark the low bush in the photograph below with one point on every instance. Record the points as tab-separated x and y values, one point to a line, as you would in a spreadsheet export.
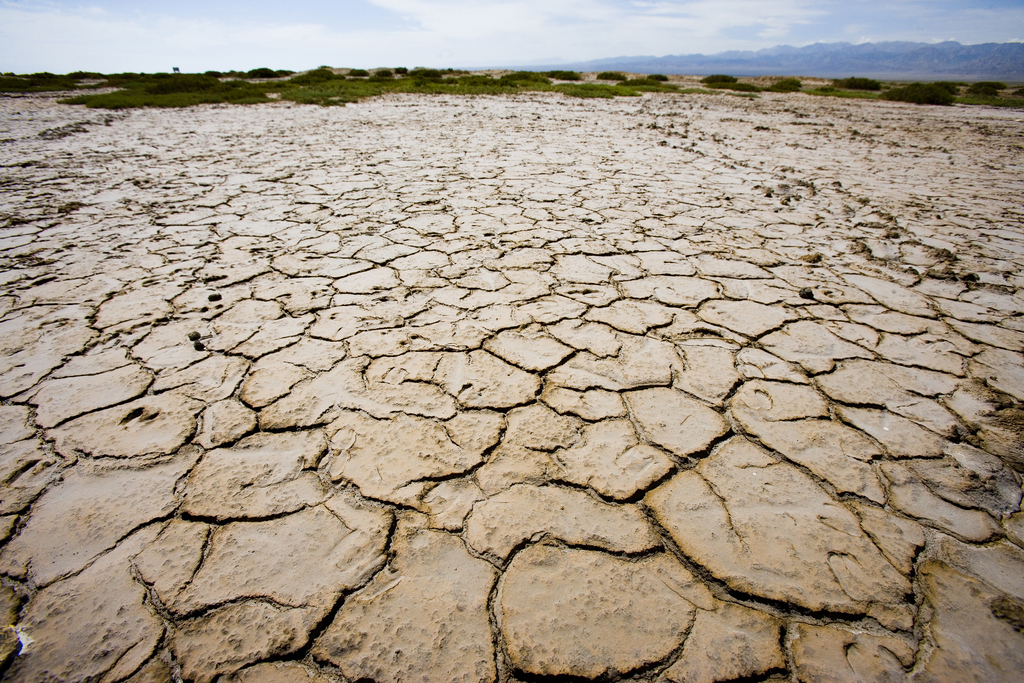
358	73
384	73
919	93
986	88
612	76
401	70
786	85
855	83
718	78
658	77
426	73
563	75
37	82
953	88
523	77
321	75
262	72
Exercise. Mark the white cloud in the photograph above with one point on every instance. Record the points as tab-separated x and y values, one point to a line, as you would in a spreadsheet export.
51	36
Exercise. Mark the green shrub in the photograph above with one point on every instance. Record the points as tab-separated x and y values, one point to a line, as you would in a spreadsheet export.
953	88
658	77
986	88
81	75
718	78
523	77
37	82
787	85
855	83
213	74
358	73
426	73
284	72
1019	92
401	70
611	76
919	93
321	75
477	81
563	75
262	72
384	73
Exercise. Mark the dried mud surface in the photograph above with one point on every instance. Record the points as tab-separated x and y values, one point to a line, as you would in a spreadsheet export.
674	388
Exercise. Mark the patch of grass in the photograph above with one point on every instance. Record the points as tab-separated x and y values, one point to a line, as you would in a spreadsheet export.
919	93
426	73
612	76
718	78
991	101
562	75
855	83
524	77
953	88
321	75
786	85
829	91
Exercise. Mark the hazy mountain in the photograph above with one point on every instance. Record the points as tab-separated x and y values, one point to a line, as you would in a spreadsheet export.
894	60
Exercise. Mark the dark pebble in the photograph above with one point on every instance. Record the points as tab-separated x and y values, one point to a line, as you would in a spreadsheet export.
199	346
214	297
806	293
193	336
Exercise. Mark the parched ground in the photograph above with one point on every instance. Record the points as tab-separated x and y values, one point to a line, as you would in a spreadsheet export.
673	388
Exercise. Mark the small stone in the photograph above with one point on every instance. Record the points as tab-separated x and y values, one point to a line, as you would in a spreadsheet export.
587	614
502	523
806	293
199	346
214	297
194	336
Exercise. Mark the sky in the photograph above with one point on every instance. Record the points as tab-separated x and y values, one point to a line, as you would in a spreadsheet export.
197	35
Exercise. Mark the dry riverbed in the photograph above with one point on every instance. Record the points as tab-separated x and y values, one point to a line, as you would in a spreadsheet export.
672	388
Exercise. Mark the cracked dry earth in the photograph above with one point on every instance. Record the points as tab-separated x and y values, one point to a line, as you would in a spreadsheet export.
674	388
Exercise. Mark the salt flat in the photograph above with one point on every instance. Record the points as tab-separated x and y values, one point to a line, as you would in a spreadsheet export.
671	388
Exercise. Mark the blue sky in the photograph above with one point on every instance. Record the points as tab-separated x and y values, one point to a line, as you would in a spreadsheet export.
196	35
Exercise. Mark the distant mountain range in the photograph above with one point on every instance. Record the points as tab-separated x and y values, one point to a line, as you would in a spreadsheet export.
893	60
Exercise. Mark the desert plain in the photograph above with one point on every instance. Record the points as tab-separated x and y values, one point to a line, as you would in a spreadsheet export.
434	388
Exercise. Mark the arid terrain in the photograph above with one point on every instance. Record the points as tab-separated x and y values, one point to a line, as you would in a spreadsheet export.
666	388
